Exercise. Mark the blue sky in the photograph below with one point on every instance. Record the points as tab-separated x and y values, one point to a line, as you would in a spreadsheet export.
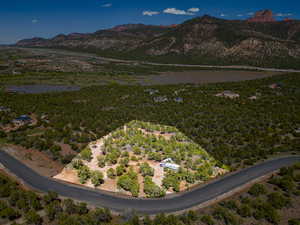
45	18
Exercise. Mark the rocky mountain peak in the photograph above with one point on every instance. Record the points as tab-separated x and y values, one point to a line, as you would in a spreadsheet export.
262	16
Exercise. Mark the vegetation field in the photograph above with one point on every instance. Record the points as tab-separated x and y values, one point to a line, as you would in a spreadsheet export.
235	132
45	66
146	160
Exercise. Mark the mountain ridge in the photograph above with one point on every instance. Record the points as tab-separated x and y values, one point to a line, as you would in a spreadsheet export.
201	40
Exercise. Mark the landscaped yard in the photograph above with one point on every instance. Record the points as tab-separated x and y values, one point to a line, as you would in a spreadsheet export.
139	158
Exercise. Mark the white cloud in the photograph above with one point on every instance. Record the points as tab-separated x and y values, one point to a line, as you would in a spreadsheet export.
240	15
284	14
34	21
250	13
107	5
150	13
178	12
222	15
193	10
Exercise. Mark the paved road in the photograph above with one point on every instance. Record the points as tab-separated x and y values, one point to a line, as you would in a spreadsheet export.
150	206
94	56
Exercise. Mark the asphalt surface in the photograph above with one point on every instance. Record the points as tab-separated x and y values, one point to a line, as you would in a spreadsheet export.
178	202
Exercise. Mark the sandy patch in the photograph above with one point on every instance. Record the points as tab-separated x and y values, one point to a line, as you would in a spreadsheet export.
66	150
36	160
68	175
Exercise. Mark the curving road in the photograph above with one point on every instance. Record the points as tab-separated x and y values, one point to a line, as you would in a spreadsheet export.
149	206
95	56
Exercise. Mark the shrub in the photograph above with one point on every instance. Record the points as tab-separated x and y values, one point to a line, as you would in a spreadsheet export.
264	210
33	218
207	219
77	164
9	213
111	173
53	210
86	154
84	174
129	182
134	158
50	197
3	205
226	216
294	222
230	204
257	190
278	200
97	178
55	149
286	183
2	134
146	170
245	210
101	161
151	189
120	170
102	215
171	180
125	161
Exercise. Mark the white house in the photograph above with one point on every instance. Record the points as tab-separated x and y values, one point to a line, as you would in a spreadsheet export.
169	164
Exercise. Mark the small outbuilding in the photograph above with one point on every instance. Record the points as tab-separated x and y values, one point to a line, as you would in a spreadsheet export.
178	100
151	91
4	109
22	120
228	94
160	99
275	85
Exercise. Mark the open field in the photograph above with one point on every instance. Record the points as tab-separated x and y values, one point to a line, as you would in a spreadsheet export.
56	67
204	77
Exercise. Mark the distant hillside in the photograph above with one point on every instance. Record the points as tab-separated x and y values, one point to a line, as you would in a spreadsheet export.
259	41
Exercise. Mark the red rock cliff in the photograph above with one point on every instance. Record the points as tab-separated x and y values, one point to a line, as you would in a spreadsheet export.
262	16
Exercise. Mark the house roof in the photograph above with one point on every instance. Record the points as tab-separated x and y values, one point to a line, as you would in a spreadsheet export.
23	118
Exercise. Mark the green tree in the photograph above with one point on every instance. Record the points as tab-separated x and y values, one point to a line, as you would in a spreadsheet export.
101	161
86	154
84	174
9	213
33	218
151	189
53	210
146	169
294	222
245	210
207	219
257	190
102	215
111	173
50	197
120	170
278	200
97	178
69	206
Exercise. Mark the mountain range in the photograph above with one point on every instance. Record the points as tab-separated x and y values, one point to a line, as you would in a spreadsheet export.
258	41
